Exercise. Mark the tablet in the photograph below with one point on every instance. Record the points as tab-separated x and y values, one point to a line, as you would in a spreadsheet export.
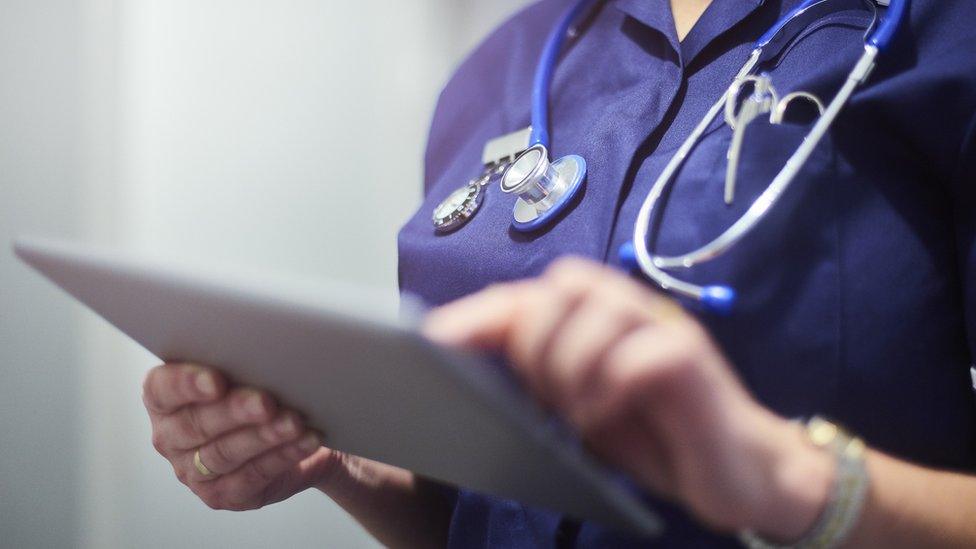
360	373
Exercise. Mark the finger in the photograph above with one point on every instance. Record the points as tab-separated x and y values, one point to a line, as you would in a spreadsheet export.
611	305
615	307
569	272
481	320
572	272
542	311
249	486
639	367
192	426
169	387
229	452
581	344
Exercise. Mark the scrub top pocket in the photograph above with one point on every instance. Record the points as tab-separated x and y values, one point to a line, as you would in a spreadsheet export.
695	211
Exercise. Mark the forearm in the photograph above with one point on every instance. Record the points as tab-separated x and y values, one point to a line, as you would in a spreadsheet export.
392	504
911	506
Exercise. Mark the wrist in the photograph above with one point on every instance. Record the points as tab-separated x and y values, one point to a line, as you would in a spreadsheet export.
799	483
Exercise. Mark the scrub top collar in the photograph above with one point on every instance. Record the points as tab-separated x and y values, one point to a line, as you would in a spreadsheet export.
718	18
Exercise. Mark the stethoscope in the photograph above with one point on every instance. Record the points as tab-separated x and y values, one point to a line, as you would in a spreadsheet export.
544	189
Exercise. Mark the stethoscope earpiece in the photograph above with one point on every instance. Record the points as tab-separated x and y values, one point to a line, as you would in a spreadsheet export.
719	300
716	299
628	257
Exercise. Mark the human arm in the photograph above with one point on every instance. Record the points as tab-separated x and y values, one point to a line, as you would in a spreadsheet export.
649	391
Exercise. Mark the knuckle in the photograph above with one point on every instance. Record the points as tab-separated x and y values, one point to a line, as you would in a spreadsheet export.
191	426
566	264
677	367
291	453
572	269
242	504
526	290
221	454
266	434
213	494
575	275
152	376
496	287
667	377
237	506
213	504
233	486
627	367
159	442
265	494
236	503
147	381
608	297
236	494
256	474
211	498
502	289
175	382
182	475
528	296
182	433
692	335
149	388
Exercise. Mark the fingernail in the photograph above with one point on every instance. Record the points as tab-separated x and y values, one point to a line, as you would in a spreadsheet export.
254	404
310	442
206	384
285	426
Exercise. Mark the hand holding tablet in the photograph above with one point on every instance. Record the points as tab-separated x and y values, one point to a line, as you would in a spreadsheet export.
341	357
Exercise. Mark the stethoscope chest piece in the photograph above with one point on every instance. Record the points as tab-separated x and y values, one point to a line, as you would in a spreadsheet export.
544	189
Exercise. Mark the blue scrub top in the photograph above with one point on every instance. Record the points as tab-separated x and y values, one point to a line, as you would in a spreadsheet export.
857	293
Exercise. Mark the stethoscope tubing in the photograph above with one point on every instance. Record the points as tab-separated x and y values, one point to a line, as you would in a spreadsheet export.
545	70
717	298
720	298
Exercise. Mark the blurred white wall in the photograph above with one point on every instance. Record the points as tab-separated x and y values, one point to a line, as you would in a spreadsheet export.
280	135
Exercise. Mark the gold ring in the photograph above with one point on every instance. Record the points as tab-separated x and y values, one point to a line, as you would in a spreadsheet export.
200	466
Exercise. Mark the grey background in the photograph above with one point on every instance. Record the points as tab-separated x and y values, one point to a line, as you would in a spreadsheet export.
248	132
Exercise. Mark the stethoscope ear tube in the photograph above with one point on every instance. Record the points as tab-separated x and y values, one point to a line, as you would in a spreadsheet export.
721	298
800	15
717	299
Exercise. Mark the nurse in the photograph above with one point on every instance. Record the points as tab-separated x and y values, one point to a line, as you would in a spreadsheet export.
856	294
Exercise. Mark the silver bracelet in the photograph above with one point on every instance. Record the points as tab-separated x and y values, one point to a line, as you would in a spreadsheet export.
847	494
